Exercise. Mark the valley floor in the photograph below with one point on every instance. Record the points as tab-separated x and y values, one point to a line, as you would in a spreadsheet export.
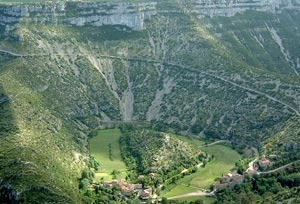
104	147
223	162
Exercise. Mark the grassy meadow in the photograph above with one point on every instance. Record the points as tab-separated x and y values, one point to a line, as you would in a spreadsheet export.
224	161
104	147
206	200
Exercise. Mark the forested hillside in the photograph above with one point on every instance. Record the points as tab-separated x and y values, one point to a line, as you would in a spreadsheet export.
218	70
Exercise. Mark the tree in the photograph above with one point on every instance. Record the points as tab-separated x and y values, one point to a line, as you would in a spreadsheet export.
198	202
164	200
115	174
135	201
84	183
173	180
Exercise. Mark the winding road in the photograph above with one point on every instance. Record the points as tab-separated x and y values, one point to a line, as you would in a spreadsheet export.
213	76
199	192
196	193
11	53
279	168
251	165
215	143
204	193
297	112
22	55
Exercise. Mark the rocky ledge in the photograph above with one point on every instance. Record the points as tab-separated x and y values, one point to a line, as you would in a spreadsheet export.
229	8
132	15
79	14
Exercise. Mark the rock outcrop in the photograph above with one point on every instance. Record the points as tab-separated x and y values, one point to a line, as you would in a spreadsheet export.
229	8
132	15
79	14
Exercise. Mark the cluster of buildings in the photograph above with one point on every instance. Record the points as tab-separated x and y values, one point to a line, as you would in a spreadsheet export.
261	165
128	189
264	163
231	180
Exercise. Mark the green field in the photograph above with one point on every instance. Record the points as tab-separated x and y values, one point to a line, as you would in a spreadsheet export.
224	161
107	141
206	200
104	147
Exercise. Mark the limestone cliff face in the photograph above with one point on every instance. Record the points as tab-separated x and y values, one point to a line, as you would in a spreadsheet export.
132	15
232	7
79	14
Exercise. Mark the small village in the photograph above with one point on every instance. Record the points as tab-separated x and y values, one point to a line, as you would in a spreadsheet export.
128	189
232	179
229	180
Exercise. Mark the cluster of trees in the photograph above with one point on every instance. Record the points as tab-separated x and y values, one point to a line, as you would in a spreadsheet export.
165	201
242	165
262	188
103	195
7	121
86	178
290	180
139	148
110	152
93	163
98	194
